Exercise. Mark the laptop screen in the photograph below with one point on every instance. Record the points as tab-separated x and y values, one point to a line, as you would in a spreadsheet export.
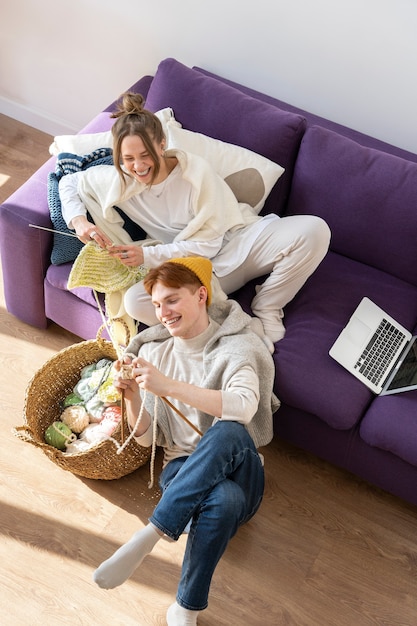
405	375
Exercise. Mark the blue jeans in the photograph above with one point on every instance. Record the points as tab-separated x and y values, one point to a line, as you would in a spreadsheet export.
219	488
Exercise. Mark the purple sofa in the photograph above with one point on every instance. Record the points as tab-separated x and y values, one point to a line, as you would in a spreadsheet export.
366	191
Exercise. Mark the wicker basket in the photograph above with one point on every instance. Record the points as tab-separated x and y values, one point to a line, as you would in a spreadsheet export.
44	395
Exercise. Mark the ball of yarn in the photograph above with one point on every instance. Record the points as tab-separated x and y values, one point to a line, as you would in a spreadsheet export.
93	434
76	418
77	447
58	435
72	399
108	392
112	416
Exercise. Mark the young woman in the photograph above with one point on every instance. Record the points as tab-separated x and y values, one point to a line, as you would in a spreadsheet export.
182	204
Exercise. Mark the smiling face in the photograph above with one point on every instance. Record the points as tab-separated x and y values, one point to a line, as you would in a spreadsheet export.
138	161
182	310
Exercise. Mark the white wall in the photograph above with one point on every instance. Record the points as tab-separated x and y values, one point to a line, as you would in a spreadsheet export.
353	62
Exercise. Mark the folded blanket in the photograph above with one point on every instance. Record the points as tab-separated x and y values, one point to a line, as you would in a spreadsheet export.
66	249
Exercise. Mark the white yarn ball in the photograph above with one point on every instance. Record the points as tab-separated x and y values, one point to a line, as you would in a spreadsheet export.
93	434
76	447
76	418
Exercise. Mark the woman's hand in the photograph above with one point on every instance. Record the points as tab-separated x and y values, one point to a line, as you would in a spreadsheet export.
129	255
86	231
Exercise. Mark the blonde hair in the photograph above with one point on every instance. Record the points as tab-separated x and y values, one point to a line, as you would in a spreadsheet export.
133	120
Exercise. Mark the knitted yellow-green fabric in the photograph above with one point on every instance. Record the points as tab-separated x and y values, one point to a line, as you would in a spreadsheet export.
95	268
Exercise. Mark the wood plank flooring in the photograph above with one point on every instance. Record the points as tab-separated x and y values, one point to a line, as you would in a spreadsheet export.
325	548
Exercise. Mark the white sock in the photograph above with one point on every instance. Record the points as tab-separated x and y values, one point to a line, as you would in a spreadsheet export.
119	567
178	616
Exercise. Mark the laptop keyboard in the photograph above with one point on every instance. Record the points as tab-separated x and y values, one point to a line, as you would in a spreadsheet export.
377	356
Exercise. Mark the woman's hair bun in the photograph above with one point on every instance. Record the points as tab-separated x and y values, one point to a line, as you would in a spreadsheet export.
129	103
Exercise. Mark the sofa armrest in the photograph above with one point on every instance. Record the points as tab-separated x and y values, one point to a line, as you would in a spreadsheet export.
25	251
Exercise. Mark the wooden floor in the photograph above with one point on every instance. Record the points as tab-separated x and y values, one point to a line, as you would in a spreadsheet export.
325	549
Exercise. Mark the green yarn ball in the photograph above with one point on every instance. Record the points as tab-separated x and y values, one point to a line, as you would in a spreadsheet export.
57	434
72	399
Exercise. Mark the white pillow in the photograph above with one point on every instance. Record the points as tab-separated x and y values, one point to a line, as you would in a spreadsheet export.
84	143
251	176
81	144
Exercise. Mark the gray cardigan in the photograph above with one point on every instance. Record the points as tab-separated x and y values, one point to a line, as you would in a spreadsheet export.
225	353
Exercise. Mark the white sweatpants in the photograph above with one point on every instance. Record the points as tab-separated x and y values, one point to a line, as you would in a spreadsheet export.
288	249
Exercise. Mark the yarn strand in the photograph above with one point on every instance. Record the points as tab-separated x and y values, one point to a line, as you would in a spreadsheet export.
153	452
120	448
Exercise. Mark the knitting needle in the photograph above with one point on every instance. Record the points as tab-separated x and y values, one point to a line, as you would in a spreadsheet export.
174	408
122	423
51	230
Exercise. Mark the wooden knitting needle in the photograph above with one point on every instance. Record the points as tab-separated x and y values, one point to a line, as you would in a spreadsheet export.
122	423
174	408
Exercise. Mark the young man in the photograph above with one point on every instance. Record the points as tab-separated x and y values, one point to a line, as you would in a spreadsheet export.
219	375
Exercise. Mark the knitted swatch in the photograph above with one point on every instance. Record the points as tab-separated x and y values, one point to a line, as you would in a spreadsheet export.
95	268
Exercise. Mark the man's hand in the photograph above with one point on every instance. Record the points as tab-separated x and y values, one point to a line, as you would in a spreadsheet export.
125	381
148	377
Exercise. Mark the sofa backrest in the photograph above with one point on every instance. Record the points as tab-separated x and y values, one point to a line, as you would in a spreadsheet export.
363	187
367	197
315	120
206	105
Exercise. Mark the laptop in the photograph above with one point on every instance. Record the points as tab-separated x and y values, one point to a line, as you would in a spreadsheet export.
377	350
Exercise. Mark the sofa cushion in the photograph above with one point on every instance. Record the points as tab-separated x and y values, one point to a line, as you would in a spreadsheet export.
315	120
81	143
307	378
367	197
391	424
208	106
57	277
